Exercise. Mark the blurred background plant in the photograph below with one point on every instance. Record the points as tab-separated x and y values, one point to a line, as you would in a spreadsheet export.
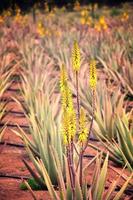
121	150
41	108
6	72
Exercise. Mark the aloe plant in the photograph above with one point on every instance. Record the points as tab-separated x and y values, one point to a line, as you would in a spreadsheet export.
121	151
44	127
5	81
41	107
43	116
109	105
123	76
97	188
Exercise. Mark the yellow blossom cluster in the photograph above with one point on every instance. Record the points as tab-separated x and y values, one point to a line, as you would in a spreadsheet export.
7	13
63	78
42	31
20	19
67	102
4	16
58	33
124	17
69	126
83	130
76	57
101	24
85	18
69	115
93	75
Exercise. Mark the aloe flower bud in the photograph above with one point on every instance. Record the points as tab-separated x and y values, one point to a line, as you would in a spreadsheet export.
76	57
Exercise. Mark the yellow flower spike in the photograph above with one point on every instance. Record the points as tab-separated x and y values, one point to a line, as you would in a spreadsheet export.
97	27
69	115
105	26
93	74
83	130
102	20
72	123
89	21
40	29
84	13
63	77
101	24
67	102
76	57
82	20
124	17
65	128
40	25
69	123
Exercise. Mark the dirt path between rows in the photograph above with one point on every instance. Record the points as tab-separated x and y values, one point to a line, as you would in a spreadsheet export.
12	169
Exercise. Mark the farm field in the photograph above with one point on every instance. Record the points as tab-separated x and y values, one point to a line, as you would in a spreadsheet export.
66	103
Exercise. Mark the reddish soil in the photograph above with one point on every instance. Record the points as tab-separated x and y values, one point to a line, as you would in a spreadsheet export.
11	161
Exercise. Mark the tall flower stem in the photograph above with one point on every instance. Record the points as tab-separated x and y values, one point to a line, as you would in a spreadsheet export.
81	166
69	163
77	96
83	147
78	113
71	169
92	119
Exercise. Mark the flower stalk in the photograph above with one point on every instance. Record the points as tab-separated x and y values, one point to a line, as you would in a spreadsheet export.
76	68
85	137
71	128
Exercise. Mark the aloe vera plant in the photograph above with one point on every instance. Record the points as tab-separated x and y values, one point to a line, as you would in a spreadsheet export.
42	112
124	77
5	82
44	127
121	151
108	105
41	108
97	188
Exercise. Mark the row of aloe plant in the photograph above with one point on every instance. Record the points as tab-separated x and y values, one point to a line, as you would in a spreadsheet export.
5	81
113	48
59	158
113	122
121	149
41	108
